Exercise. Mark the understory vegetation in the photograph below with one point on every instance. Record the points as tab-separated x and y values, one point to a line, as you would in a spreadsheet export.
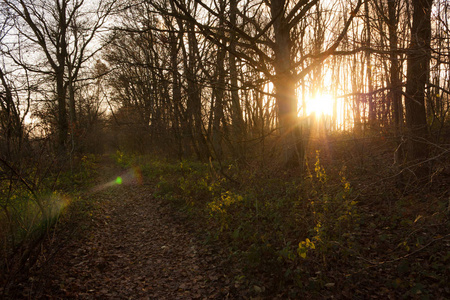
346	224
308	142
34	197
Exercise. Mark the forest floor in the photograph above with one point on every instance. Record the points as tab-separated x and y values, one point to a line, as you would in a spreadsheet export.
132	246
130	237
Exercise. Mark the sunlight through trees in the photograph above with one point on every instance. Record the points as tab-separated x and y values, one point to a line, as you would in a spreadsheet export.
239	85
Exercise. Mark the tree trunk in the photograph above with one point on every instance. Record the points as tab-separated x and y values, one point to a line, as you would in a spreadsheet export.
285	88
395	80
61	55
194	97
176	94
218	93
72	109
370	98
417	78
10	123
236	111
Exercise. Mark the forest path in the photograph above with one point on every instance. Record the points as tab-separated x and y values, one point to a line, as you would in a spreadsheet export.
137	248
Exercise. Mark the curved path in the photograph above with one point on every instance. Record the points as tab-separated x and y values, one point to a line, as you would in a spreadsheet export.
136	248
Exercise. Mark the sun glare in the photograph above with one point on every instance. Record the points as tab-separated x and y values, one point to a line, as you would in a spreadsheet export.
320	105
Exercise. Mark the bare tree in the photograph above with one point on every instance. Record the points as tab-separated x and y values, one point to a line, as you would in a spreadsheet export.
62	32
12	110
279	63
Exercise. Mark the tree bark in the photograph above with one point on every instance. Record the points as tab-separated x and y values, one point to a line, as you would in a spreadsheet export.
218	92
370	98
236	111
61	56
176	93
194	104
395	80
284	84
417	78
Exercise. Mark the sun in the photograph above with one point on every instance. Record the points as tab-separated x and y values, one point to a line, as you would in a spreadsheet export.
325	109
321	105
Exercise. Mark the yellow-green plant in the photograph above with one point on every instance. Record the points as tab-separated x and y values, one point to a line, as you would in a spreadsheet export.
303	247
219	206
123	159
333	210
119	157
321	175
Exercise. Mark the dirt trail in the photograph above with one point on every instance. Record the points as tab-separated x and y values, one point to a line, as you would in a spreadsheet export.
136	249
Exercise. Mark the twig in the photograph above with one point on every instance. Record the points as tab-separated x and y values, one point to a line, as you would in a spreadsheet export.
380	263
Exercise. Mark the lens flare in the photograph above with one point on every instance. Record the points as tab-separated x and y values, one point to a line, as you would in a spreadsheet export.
130	177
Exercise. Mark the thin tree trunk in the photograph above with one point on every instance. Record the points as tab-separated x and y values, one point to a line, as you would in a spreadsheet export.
63	125
236	112
176	93
370	100
194	97
218	93
395	80
61	55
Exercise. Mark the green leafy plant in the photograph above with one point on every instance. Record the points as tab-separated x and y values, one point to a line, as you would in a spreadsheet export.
218	208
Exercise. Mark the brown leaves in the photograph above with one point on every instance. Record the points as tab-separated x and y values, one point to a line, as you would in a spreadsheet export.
135	249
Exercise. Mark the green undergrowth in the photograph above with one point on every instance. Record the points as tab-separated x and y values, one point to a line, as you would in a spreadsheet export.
314	234
31	203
